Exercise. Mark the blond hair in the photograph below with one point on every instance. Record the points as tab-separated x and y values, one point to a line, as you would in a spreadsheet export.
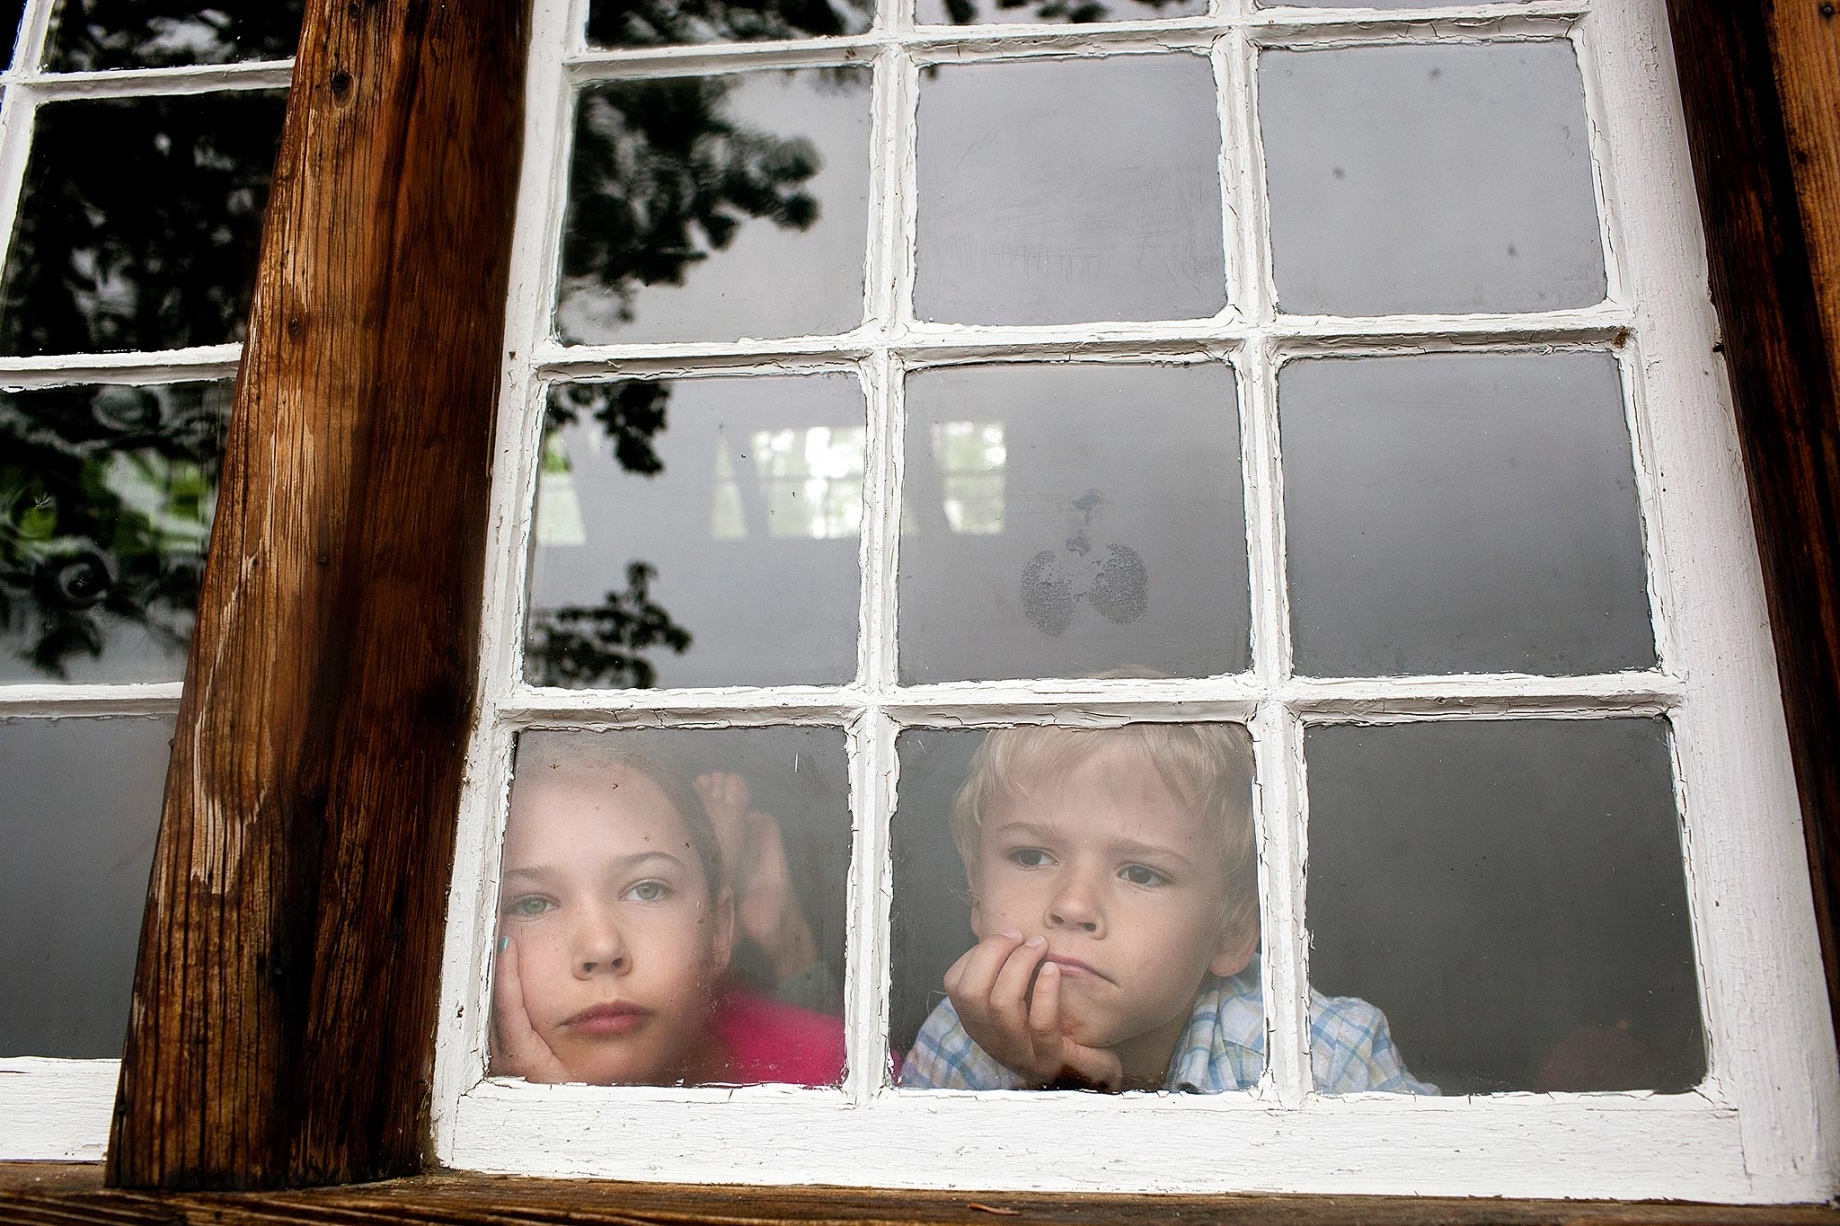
1206	767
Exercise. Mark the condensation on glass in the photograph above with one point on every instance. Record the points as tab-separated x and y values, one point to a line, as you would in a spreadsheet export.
79	847
1430	179
87	35
1045	12
1459	513
672	908
106	500
647	23
698	532
716	208
139	223
1064	520
1042	202
1511	893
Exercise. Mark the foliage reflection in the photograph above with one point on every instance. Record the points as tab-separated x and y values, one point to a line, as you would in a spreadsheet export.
106	499
95	34
139	224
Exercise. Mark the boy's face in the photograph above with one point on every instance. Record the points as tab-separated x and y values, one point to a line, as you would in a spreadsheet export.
1125	885
618	940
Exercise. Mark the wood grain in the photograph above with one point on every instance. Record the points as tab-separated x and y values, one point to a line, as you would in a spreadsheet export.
1773	237
283	1017
42	1194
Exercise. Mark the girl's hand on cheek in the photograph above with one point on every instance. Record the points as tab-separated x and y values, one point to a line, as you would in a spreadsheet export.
990	989
517	1049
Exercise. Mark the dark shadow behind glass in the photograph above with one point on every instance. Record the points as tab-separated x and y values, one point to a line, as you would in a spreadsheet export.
139	223
87	35
932	912
10	13
1450	513
1511	894
106	500
79	823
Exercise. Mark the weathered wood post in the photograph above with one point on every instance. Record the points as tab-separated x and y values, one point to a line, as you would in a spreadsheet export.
284	1005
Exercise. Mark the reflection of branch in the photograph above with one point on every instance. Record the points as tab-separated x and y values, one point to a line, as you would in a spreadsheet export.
639	23
579	645
631	411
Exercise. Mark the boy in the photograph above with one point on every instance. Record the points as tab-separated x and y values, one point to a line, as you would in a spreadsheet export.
1114	886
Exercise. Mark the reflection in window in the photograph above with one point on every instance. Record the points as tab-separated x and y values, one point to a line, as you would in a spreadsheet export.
558	509
714	208
619	848
92	34
106	499
969	456
82	810
811	480
139	223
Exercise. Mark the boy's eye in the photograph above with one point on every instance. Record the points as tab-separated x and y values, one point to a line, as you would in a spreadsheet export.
1142	874
647	891
1029	857
529	906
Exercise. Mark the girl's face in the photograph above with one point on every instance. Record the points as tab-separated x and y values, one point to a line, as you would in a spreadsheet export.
619	943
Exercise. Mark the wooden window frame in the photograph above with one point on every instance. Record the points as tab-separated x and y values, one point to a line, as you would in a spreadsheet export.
327	702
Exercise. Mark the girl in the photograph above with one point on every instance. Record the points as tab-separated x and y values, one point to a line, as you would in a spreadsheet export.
616	924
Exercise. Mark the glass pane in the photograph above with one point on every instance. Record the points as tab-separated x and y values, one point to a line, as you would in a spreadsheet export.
976	12
92	34
1435	179
1064	520
1462	513
10	13
1511	893
716	208
1096	885
1059	191
717	549
107	495
672	908
80	823
646	23
140	223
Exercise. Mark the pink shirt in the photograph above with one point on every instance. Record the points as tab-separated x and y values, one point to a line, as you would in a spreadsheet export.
772	1042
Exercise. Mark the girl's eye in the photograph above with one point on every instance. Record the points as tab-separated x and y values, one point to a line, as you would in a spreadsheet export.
1030	857
1142	874
647	891
530	906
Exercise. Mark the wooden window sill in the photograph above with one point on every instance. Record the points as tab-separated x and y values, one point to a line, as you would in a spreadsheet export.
44	1193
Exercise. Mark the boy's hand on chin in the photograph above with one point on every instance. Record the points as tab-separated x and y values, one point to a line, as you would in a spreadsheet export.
989	987
517	1049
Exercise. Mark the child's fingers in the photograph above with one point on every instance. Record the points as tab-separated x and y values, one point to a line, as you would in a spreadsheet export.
978	969
1045	1010
518	1050
1009	994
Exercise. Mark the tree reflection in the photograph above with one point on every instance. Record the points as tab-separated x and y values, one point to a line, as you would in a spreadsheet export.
648	23
94	34
604	644
106	497
139	224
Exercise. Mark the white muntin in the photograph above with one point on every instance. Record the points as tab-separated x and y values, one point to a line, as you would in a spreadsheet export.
1760	1127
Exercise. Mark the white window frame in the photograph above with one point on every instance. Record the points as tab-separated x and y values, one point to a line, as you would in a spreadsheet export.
55	1109
1762	1126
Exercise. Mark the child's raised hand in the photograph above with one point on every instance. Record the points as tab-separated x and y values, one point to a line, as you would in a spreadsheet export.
766	902
517	1049
989	987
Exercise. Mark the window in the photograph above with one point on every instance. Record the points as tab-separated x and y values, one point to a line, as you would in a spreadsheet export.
1291	248
136	143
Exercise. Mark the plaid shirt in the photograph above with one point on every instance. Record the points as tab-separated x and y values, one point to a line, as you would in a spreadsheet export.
1223	1047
